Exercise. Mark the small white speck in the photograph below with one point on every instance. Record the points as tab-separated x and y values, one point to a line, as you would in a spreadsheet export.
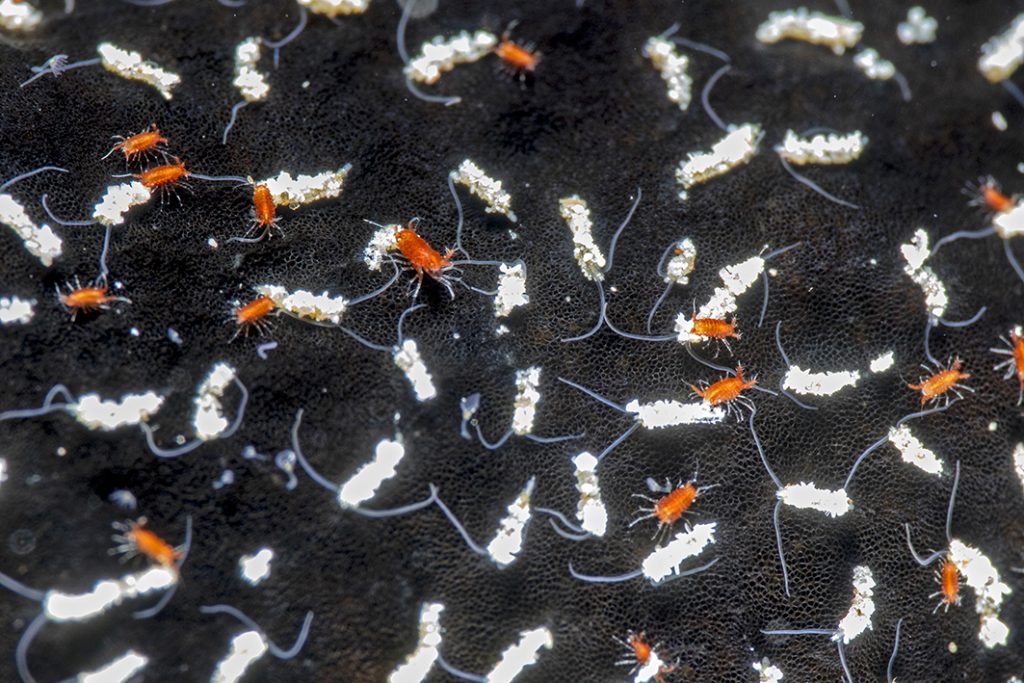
227	477
999	121
993	426
501	330
456	335
61	451
255	568
134	332
173	335
213	243
952	647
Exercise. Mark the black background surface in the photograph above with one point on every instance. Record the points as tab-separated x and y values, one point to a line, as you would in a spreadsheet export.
595	121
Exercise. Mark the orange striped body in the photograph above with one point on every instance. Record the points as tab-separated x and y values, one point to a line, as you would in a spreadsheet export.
423	257
263	206
141	143
994	199
254	311
86	298
163	176
671	506
152	546
1018	356
713	328
949	578
641	649
517	58
725	389
938	384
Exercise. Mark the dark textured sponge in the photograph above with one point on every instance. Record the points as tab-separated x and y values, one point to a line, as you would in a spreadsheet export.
594	120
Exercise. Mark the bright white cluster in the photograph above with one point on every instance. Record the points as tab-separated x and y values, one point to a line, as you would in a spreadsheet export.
382	241
418	664
521	655
1010	223
511	289
589	257
407	358
526	400
118	200
662	414
486	188
306	189
767	672
808	496
15	310
810	383
95	413
441	55
916	253
858	619
18	16
737	148
333	8
919	28
130	65
246	648
319	307
1002	54
829	149
209	421
913	451
40	241
650	670
106	594
665	560
673	68
873	66
590	510
882	363
363	485
679	267
249	80
508	540
255	569
736	280
981	575
118	671
1018	462
812	27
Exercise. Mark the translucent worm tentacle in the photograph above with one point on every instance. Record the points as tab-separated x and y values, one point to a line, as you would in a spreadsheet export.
804	180
29	174
706	94
924	562
441	661
952	502
276	45
964	323
278	652
615	237
562	518
760	451
604	579
657	305
963	234
635	426
60	221
231	121
860	458
1014	263
601	309
457	524
297	449
594	395
895	649
778	542
21	653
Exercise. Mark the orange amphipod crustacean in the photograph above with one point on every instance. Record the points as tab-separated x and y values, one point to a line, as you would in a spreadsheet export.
934	387
135	539
726	389
80	299
422	257
140	144
519	59
1015	363
253	316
